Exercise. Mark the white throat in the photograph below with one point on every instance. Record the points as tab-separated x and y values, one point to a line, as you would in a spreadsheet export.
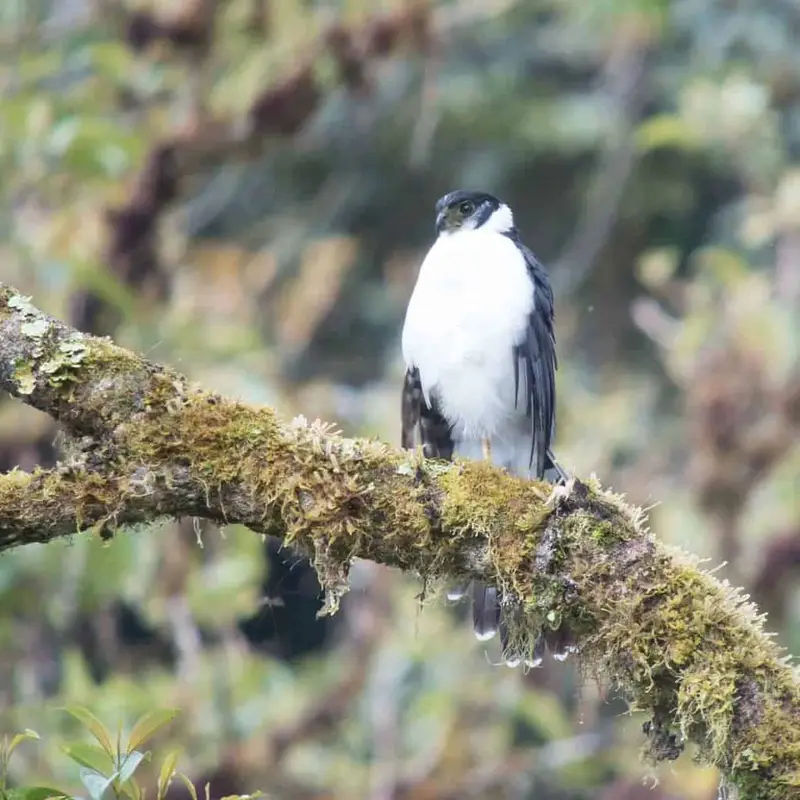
501	221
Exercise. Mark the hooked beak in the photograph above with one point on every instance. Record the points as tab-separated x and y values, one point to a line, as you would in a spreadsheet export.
441	221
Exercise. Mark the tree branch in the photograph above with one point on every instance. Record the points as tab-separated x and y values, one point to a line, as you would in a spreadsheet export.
686	648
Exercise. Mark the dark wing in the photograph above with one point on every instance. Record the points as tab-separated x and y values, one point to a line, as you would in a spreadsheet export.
537	357
419	418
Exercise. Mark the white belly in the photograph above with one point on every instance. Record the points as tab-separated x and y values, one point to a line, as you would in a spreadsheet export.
469	308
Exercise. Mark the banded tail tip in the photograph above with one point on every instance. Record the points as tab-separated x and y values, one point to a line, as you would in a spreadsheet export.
561	643
537	656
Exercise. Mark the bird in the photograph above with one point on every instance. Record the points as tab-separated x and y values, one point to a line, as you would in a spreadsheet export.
479	347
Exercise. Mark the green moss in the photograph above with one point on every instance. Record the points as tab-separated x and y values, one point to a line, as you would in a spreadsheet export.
482	501
64	359
604	532
329	512
55	360
685	648
24	378
683	645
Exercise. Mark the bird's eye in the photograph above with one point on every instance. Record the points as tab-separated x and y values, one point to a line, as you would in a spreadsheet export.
466	208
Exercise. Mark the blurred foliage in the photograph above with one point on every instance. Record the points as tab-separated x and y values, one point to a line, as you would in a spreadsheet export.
107	769
245	189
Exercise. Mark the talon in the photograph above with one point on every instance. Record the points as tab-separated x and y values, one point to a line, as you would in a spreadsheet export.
560	492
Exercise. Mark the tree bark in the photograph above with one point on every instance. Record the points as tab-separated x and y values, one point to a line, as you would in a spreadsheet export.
143	444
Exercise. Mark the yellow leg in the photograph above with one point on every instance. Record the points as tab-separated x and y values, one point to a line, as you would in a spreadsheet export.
487	449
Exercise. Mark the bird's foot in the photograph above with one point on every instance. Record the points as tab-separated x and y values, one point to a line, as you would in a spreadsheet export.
560	492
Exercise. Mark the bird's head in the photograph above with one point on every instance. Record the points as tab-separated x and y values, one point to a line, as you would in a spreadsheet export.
464	210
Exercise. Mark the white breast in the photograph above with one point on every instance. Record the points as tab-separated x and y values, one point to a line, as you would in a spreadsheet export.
469	308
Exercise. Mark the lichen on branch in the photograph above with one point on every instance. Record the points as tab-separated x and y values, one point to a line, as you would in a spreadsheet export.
144	443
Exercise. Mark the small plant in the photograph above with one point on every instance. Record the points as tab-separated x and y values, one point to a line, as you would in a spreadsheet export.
107	768
7	747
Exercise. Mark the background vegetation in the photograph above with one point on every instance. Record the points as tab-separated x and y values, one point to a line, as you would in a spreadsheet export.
244	189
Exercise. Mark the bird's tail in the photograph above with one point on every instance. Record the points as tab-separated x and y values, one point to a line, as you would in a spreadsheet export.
553	471
492	614
485	611
485	606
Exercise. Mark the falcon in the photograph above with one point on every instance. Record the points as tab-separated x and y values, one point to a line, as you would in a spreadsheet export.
480	356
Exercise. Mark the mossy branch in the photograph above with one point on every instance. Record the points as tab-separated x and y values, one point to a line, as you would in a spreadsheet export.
144	443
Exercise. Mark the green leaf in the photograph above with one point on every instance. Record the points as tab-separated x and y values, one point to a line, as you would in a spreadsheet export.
129	789
92	146
91	756
35	793
665	131
96	784
167	771
19	738
112	59
129	764
92	724
147	725
188	784
253	796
